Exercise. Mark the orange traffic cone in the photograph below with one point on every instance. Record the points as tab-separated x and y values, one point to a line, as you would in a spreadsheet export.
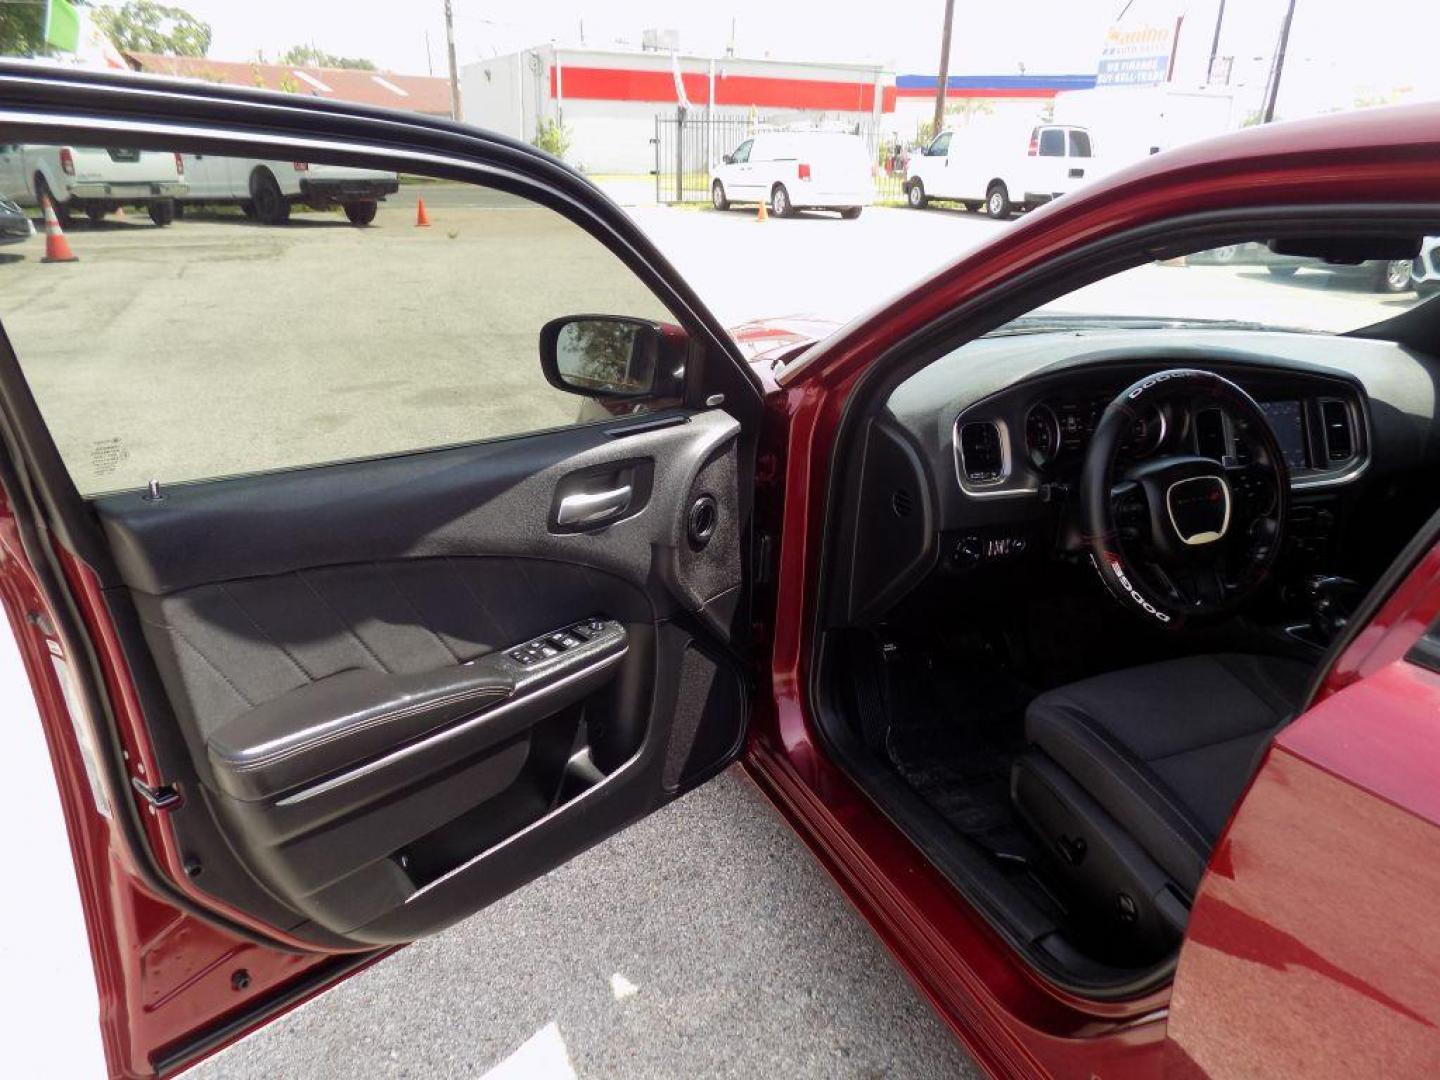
57	248
762	215
421	217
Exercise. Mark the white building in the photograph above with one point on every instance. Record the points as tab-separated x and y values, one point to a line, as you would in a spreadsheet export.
608	99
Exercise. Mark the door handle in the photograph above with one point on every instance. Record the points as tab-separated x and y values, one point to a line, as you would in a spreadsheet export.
593	507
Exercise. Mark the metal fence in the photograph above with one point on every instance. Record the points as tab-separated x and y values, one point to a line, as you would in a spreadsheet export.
689	145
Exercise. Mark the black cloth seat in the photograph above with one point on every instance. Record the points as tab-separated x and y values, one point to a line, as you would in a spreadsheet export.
1166	749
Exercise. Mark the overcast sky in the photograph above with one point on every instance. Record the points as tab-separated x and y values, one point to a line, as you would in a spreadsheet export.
1374	46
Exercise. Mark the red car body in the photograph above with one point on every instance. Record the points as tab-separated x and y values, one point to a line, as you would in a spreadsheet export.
1313	945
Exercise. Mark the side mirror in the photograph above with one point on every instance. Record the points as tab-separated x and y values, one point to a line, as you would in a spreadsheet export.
729	159
608	356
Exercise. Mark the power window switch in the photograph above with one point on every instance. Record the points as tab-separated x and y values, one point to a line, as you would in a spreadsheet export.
565	641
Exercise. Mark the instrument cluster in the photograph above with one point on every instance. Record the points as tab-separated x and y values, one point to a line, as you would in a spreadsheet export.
1059	430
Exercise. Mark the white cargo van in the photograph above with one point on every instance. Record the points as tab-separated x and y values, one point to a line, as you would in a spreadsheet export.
266	190
997	168
92	180
796	170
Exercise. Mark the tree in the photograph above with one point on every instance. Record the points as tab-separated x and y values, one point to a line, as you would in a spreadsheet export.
310	56
145	26
20	29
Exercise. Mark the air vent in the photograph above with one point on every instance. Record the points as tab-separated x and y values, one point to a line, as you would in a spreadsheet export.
902	502
982	452
1210	434
1339	441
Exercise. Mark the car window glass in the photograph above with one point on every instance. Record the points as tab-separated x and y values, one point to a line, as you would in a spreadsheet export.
742	152
1251	284
1079	144
941	146
1052	142
263	330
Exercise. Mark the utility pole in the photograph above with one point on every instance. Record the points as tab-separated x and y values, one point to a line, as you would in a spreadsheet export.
1215	42
454	75
944	67
1272	92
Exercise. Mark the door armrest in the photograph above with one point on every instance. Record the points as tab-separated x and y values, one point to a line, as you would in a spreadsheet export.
348	717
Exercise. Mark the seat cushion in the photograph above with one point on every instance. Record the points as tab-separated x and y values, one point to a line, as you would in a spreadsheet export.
1166	749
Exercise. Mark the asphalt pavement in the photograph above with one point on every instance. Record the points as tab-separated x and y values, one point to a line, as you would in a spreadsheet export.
704	941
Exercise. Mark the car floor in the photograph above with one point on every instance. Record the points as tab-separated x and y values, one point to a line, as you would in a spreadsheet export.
952	734
703	941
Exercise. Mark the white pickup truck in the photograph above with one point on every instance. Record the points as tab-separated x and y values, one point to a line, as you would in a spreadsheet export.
92	180
266	190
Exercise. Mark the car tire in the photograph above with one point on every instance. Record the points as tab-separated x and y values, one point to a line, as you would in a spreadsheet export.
997	202
43	192
361	213
915	195
717	196
780	202
1282	271
162	213
850	213
1393	276
247	207
271	206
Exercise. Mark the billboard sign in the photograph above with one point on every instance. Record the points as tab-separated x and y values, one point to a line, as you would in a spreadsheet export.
1136	55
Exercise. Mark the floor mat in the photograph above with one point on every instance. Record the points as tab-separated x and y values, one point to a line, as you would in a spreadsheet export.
953	735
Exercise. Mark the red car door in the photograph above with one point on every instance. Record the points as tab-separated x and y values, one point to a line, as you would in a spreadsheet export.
1312	944
305	710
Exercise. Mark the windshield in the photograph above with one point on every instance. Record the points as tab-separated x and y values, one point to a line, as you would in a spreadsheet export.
1249	284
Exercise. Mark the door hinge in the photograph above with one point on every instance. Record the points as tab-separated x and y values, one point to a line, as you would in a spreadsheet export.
160	797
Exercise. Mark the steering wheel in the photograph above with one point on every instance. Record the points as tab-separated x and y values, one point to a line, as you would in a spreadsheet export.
1183	535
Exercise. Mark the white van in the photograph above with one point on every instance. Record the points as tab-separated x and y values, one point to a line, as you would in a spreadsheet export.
266	190
995	167
796	170
92	180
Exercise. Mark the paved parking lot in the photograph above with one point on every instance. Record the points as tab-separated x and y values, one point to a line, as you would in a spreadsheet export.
217	345
704	941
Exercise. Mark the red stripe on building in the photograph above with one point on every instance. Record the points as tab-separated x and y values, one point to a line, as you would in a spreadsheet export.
626	84
977	92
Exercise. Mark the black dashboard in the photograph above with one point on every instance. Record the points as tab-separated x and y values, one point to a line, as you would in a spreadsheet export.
974	460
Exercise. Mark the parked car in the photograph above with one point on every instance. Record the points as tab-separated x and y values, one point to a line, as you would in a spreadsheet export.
994	166
796	170
267	190
1377	275
14	223
92	180
1095	655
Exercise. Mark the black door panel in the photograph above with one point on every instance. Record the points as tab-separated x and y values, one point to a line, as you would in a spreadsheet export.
403	682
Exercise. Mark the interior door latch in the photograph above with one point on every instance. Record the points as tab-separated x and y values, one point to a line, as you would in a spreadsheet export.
161	797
